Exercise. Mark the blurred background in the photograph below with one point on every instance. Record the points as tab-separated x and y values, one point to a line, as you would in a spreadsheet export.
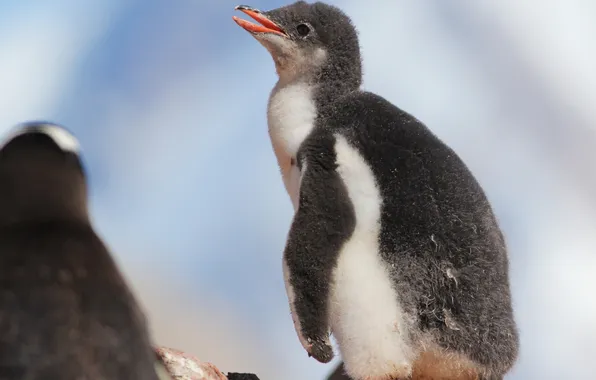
169	98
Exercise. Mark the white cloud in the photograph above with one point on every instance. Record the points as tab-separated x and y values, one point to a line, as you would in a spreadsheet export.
555	38
41	48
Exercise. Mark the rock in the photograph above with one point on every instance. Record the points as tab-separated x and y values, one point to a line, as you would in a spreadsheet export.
182	366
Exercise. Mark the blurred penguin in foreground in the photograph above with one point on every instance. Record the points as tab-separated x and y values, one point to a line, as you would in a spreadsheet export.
66	312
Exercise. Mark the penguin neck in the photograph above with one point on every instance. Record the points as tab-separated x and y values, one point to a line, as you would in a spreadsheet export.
293	110
294	106
46	201
291	114
340	75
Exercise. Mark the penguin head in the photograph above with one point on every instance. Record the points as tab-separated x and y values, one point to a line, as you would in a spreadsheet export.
313	40
41	174
34	139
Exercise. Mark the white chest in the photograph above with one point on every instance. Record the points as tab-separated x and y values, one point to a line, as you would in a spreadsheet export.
366	317
290	115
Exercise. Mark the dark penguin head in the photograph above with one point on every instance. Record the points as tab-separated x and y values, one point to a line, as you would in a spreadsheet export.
313	41
41	176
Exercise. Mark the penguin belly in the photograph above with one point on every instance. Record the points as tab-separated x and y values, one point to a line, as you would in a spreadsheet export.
366	318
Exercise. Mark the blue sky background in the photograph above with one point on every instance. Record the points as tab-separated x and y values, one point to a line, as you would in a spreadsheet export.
168	99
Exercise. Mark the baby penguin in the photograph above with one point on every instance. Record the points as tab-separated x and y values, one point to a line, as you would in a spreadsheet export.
66	312
394	247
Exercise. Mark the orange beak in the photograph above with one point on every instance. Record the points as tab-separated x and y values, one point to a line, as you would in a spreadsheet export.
267	26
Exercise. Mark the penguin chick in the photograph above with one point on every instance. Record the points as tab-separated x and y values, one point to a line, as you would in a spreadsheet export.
66	312
394	247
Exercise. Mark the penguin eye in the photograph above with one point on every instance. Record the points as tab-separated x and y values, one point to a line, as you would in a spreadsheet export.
303	30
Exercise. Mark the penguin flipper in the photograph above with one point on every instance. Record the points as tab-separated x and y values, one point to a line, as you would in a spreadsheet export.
324	220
